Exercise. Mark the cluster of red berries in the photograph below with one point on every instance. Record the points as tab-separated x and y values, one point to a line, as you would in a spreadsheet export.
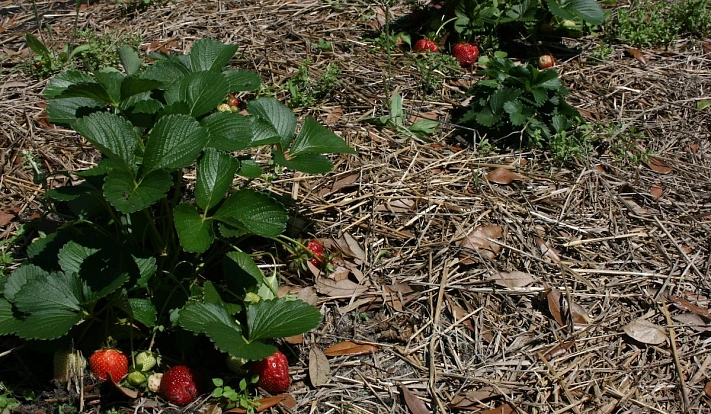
181	384
465	53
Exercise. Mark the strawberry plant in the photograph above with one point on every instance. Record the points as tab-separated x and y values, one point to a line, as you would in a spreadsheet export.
522	102
143	252
491	20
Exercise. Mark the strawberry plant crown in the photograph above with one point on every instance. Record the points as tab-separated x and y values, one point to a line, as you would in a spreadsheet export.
520	101
136	253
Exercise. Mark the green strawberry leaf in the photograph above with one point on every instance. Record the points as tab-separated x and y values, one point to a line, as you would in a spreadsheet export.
130	61
228	131
315	138
58	84
214	321
143	311
194	232
128	195
18	278
202	91
277	115
249	168
308	163
65	111
8	324
111	79
242	80
167	72
113	135
174	142
102	269
51	306
210	55
278	318
215	172
258	212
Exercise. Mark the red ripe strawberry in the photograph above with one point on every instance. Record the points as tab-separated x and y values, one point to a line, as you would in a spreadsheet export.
180	385
232	100
273	373
318	252
465	53
105	362
545	61
426	45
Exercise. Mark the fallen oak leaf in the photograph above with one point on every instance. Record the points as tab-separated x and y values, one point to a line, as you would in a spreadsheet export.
319	368
416	405
641	330
512	280
559	350
658	165
635	53
547	251
350	348
478	240
707	389
503	176
475	398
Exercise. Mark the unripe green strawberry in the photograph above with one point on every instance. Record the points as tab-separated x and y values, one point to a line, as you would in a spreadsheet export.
136	378
145	361
236	364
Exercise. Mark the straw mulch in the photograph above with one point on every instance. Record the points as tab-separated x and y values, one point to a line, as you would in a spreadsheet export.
580	289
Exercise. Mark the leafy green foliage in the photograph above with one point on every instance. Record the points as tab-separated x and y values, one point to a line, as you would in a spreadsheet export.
490	21
520	103
138	254
94	51
395	119
645	24
305	91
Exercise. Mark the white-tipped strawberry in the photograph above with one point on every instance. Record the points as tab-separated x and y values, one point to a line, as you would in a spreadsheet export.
546	61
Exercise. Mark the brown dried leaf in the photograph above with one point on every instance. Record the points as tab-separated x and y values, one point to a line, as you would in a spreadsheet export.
340	183
319	368
693	321
339	288
477	240
474	399
684	304
396	205
547	251
635	53
294	340
127	392
334	115
559	308
350	348
707	389
503	176
559	350
512	280
502	409
656	190
641	330
264	404
459	313
416	405
6	217
658	165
